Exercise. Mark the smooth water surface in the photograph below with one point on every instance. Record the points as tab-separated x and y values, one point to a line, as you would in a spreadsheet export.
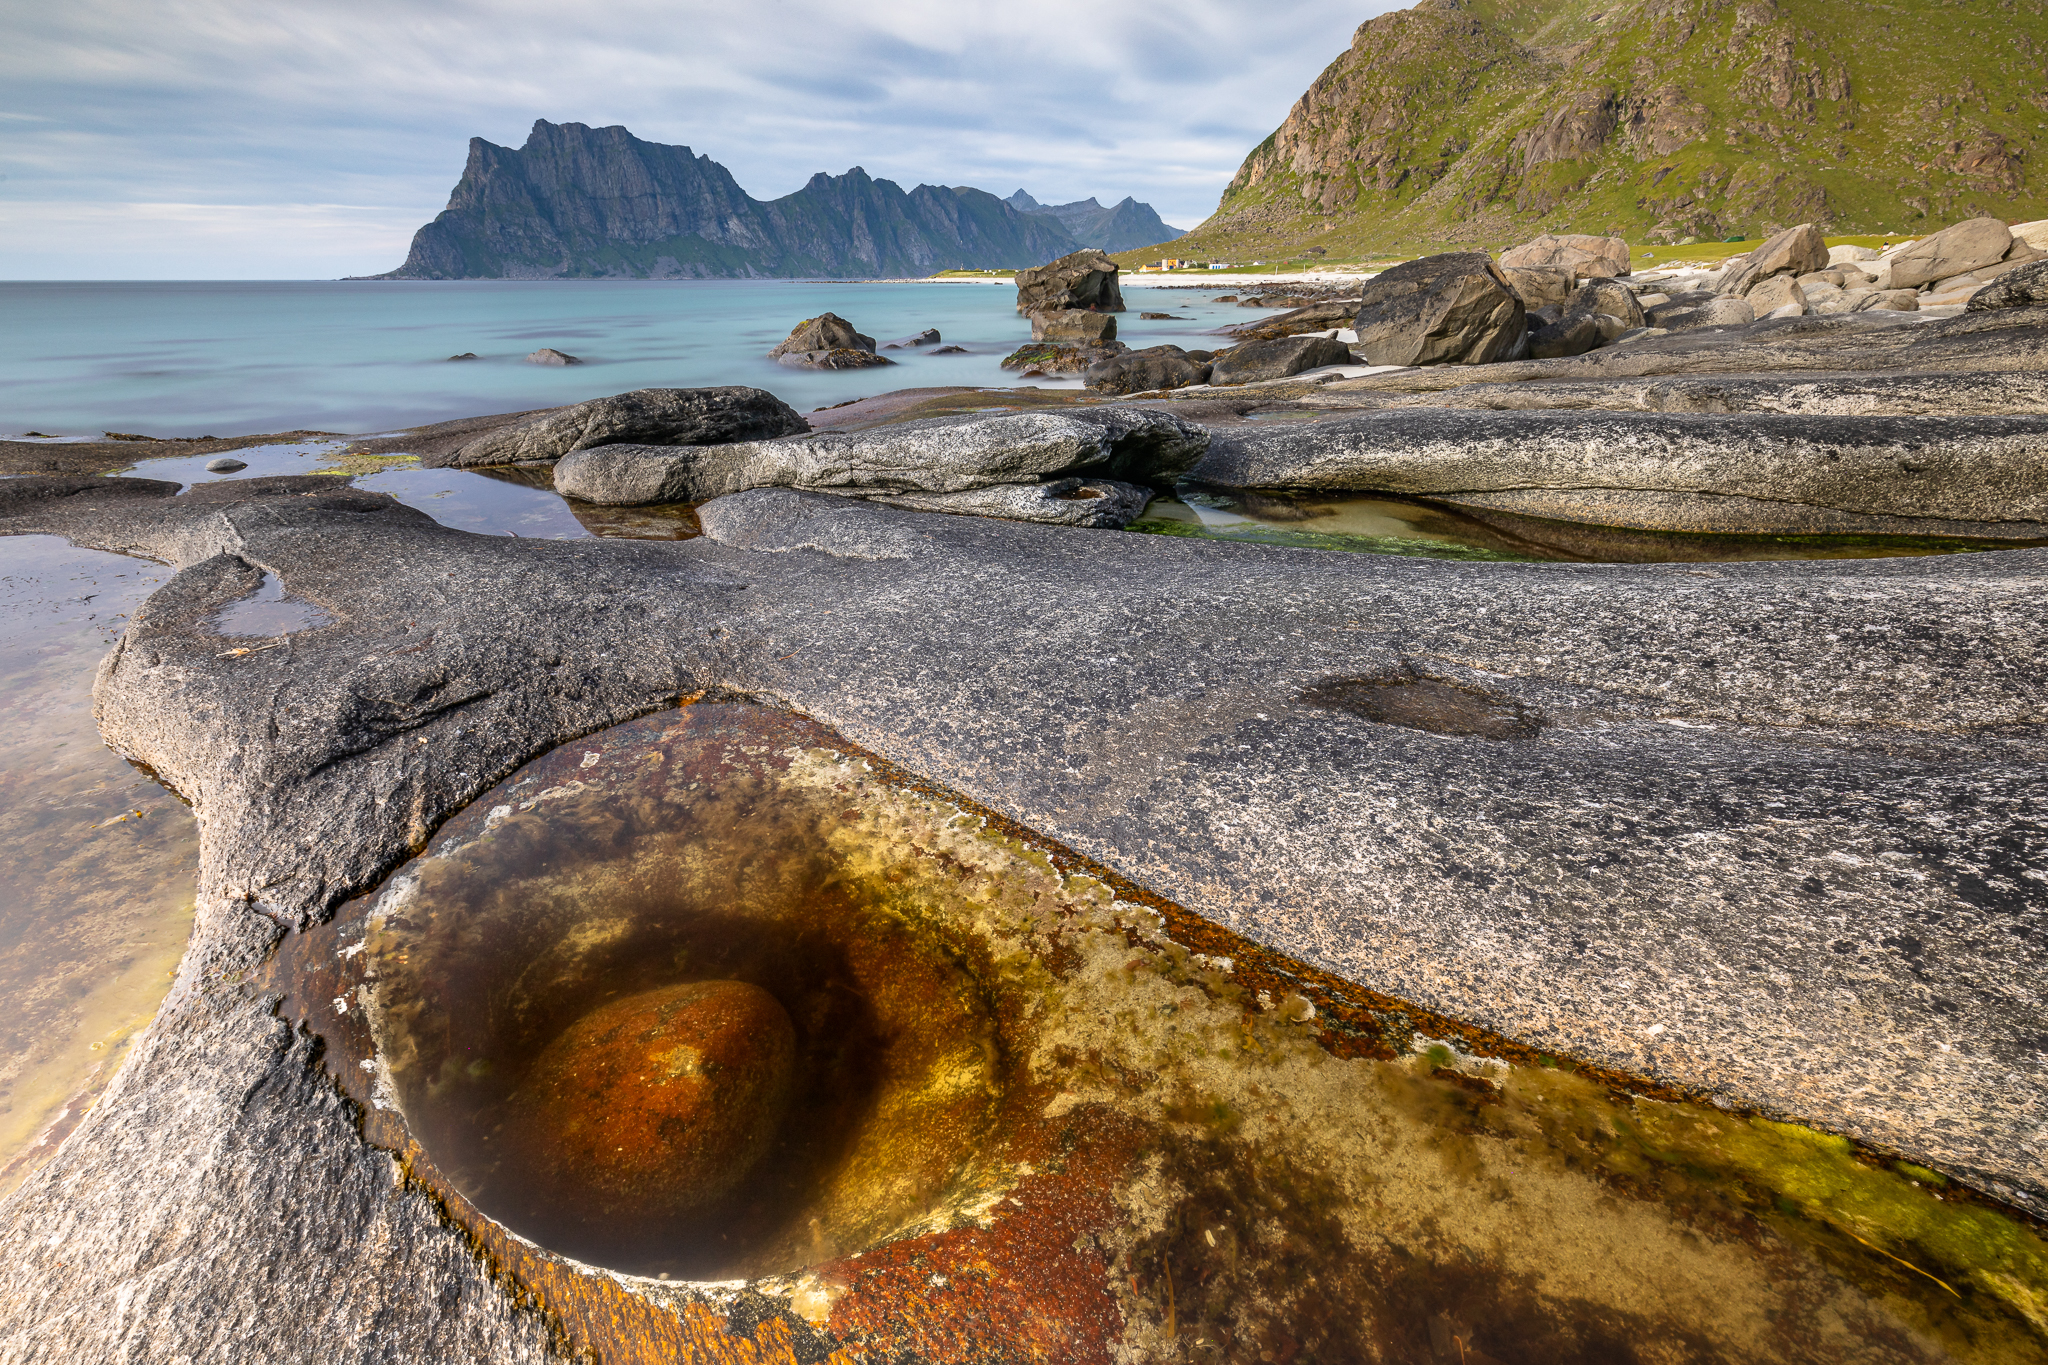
97	861
232	358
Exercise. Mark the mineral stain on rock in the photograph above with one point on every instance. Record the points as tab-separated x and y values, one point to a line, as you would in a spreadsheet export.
1034	1113
659	1102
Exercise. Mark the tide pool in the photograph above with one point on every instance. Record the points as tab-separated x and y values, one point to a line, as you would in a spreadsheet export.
225	358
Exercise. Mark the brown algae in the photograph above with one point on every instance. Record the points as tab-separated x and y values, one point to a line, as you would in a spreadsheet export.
1024	1122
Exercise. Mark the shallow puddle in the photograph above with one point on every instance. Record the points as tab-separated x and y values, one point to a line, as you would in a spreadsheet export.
97	861
1406	526
711	997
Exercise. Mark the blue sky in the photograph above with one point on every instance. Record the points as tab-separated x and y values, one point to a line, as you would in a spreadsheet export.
197	139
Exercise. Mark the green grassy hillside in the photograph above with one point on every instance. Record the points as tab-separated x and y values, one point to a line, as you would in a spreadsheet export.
1485	122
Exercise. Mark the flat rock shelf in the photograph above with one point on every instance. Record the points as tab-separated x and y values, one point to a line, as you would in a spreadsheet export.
1757	835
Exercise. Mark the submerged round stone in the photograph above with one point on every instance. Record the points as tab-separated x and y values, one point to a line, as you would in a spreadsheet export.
663	1100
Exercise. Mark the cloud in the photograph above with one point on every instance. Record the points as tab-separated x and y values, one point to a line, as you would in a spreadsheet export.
350	118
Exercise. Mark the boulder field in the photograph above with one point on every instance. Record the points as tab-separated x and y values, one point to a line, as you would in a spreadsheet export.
1761	831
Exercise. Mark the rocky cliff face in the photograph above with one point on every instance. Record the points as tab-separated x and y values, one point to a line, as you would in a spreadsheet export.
581	202
1660	120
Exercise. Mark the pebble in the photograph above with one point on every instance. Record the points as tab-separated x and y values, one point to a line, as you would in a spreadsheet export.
226	464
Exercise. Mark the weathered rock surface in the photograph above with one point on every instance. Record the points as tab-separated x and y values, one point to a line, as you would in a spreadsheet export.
225	464
1252	361
1073	327
1102	503
1155	367
843	358
1989	470
928	337
1858	741
2026	287
938	455
1779	291
1314	317
1578	252
1455	308
1605	297
1084	279
1952	251
666	417
1540	284
1572	335
1795	251
826	332
1853	395
1053	357
548	355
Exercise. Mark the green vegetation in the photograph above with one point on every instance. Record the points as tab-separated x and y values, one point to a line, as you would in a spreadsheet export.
1478	125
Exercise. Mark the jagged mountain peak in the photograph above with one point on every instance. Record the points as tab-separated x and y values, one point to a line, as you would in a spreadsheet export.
577	201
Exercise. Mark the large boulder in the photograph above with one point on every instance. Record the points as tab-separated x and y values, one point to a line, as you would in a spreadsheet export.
1605	296
651	417
1277	359
1073	327
1155	367
1084	279
1456	308
939	455
1954	250
1540	284
2025	287
1779	291
1314	317
1795	251
825	332
1059	357
1577	252
827	342
1573	334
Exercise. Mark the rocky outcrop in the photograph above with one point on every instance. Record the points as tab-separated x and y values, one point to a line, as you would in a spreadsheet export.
827	342
1984	470
1155	367
1253	361
1451	309
1581	254
1073	327
1953	251
1084	279
940	455
1795	251
1313	317
2026	287
1540	285
582	202
650	417
1054	357
1739	125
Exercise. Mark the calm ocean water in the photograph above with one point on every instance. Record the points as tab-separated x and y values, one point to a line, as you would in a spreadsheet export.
230	358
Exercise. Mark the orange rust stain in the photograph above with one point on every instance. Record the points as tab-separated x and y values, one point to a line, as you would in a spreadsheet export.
1032	1288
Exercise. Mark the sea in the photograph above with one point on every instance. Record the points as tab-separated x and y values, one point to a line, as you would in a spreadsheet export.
232	358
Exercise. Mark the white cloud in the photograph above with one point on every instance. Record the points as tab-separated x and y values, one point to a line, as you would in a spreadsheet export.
360	110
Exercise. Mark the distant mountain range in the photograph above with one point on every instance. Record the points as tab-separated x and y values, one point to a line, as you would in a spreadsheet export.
578	202
1124	227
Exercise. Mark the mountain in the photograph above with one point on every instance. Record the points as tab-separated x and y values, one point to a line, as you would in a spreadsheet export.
1486	121
1124	227
579	203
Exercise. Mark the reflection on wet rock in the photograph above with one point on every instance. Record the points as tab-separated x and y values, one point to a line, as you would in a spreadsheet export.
713	997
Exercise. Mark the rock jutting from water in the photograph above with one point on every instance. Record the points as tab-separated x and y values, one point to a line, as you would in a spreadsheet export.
654	417
945	455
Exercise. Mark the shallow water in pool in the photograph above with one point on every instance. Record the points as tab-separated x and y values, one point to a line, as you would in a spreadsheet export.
97	861
1244	1159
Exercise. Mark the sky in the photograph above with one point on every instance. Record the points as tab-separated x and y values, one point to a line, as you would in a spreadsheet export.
237	139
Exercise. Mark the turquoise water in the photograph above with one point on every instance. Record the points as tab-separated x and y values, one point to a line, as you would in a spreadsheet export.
232	358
